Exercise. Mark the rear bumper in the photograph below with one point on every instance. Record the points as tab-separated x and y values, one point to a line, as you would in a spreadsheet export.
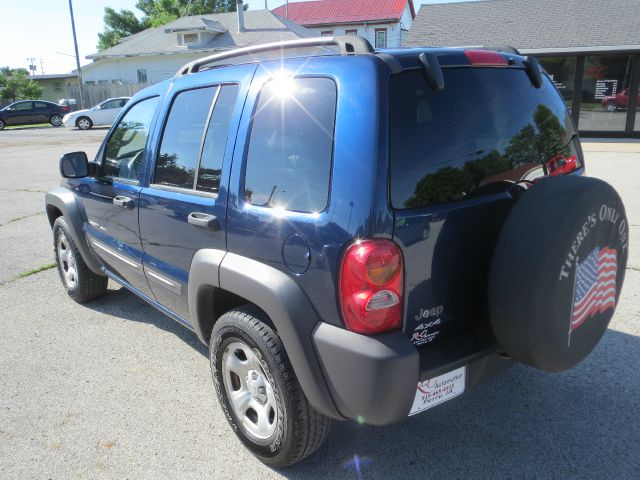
374	379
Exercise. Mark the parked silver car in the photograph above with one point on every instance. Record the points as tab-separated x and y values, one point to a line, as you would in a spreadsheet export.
102	114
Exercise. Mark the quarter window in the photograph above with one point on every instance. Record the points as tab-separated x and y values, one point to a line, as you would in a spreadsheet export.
125	147
290	149
178	156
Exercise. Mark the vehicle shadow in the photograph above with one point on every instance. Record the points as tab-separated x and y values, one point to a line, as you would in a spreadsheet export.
583	423
121	303
27	127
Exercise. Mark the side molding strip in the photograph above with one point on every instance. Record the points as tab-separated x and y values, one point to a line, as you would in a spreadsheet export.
118	256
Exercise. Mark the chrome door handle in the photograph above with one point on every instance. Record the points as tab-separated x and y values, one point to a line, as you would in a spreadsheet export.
203	220
124	202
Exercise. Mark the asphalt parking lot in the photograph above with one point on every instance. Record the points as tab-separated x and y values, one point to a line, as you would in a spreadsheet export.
115	390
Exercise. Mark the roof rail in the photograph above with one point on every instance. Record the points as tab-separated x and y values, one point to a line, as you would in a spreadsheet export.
348	44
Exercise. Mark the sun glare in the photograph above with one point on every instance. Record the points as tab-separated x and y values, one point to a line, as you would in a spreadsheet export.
283	85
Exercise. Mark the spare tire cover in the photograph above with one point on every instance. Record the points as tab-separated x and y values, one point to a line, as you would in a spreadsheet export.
557	271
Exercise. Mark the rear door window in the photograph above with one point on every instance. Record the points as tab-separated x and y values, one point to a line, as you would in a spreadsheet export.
215	141
487	129
291	145
180	146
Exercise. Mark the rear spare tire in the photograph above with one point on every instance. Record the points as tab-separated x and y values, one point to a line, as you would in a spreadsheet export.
557	271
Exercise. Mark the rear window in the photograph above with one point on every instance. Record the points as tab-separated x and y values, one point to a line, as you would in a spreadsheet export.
487	129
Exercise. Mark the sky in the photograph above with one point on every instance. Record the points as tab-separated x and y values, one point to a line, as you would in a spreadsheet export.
41	29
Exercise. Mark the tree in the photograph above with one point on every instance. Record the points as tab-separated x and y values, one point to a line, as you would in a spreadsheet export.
15	85
156	12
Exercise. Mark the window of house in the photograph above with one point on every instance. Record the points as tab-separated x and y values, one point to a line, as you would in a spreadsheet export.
142	75
562	71
605	92
215	141
190	38
381	38
291	145
125	147
327	33
178	156
351	32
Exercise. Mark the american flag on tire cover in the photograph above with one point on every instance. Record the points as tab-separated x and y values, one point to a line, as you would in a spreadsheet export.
595	285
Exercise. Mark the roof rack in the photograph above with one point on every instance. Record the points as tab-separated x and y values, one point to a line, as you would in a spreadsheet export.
348	44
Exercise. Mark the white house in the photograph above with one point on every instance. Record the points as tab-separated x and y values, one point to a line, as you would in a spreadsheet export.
384	23
156	54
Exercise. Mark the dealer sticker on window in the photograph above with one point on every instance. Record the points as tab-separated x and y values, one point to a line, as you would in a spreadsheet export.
437	390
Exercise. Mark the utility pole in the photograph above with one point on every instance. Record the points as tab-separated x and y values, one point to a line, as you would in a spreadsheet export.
286	9
75	45
41	67
32	67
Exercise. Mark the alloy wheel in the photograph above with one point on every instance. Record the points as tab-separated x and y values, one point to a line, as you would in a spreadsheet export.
249	391
67	262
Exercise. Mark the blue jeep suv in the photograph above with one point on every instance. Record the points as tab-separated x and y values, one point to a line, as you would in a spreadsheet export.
355	234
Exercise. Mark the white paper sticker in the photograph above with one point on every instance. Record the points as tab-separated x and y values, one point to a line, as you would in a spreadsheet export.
437	390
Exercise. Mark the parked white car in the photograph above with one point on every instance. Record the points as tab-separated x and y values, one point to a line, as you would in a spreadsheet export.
102	114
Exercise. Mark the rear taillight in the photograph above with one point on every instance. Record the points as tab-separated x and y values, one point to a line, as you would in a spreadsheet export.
486	58
371	286
65	108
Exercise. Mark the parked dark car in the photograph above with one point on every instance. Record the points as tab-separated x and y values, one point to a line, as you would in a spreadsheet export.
29	112
355	234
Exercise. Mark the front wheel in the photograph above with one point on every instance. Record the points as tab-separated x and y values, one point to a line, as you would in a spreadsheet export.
611	107
1	124
84	123
259	392
55	120
79	281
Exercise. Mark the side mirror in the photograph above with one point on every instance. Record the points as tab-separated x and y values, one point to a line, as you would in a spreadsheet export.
74	165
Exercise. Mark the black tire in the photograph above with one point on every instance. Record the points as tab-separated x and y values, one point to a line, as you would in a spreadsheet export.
55	120
1	124
299	429
84	123
87	285
557	271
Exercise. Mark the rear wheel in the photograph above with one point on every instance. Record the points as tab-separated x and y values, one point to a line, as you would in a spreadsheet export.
55	120
1	124
259	392
611	107
80	282
84	123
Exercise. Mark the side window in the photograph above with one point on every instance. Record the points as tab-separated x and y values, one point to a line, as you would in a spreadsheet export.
41	105
110	104
215	140
125	147
180	146
23	106
291	145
